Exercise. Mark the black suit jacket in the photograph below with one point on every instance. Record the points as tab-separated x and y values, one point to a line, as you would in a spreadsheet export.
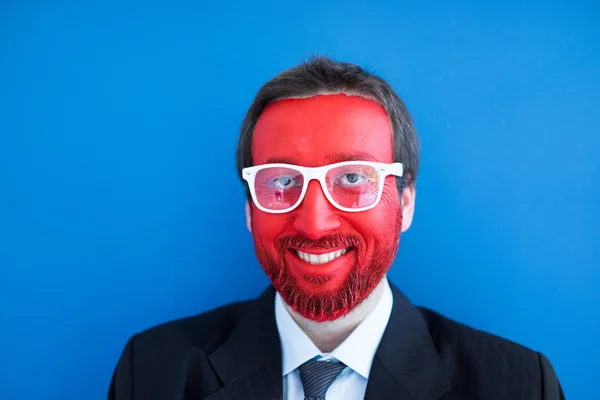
233	352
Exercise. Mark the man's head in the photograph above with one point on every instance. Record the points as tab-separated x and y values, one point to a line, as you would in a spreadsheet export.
325	259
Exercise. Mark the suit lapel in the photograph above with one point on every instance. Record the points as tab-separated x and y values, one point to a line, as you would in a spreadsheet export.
259	384
383	385
249	362
406	364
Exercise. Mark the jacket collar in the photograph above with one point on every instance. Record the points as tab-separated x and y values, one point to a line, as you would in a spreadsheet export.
406	364
249	361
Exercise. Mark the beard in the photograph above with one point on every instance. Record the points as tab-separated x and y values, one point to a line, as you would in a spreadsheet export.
329	305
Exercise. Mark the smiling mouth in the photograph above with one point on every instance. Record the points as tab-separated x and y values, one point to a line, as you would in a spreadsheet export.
320	258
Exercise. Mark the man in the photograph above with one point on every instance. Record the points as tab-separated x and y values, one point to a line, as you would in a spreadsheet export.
330	157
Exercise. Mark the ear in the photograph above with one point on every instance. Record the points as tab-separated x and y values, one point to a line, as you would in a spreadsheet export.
248	217
407	203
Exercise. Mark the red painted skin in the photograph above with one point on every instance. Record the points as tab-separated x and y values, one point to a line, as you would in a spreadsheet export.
313	132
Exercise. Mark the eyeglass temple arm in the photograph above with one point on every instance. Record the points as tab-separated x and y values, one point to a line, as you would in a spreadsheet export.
396	169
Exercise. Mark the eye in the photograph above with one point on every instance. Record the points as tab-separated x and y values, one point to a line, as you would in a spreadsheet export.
283	182
351	179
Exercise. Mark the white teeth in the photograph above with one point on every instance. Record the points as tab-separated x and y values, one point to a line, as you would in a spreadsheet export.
320	258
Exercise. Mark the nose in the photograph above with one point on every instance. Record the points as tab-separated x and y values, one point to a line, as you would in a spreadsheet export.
316	216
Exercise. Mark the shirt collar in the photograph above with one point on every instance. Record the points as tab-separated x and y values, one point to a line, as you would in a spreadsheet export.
357	351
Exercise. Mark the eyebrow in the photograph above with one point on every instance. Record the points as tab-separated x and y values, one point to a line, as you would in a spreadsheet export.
332	158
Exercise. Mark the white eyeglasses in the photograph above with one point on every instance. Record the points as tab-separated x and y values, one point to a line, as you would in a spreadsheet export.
351	186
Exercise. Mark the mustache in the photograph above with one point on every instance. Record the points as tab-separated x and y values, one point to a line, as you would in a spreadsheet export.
327	242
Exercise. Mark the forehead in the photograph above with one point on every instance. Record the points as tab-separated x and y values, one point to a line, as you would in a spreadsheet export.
322	129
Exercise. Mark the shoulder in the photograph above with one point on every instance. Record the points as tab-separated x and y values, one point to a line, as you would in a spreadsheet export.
479	362
205	331
451	335
153	360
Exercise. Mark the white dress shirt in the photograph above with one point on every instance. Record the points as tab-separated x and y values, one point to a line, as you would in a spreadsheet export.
357	351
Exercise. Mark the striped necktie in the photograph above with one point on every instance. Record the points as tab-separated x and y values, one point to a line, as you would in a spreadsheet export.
317	376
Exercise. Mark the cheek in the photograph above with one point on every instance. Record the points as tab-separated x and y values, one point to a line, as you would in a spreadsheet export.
267	227
387	212
389	197
378	226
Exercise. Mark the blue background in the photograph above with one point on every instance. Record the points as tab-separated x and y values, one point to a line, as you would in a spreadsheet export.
120	206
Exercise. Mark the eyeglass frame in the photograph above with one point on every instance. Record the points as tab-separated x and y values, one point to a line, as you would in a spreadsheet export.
319	174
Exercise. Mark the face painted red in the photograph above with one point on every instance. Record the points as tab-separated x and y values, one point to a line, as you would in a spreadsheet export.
313	132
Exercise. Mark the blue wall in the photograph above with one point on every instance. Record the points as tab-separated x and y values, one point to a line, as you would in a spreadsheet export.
119	201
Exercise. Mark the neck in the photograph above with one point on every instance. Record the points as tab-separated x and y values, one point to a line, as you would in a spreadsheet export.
329	335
